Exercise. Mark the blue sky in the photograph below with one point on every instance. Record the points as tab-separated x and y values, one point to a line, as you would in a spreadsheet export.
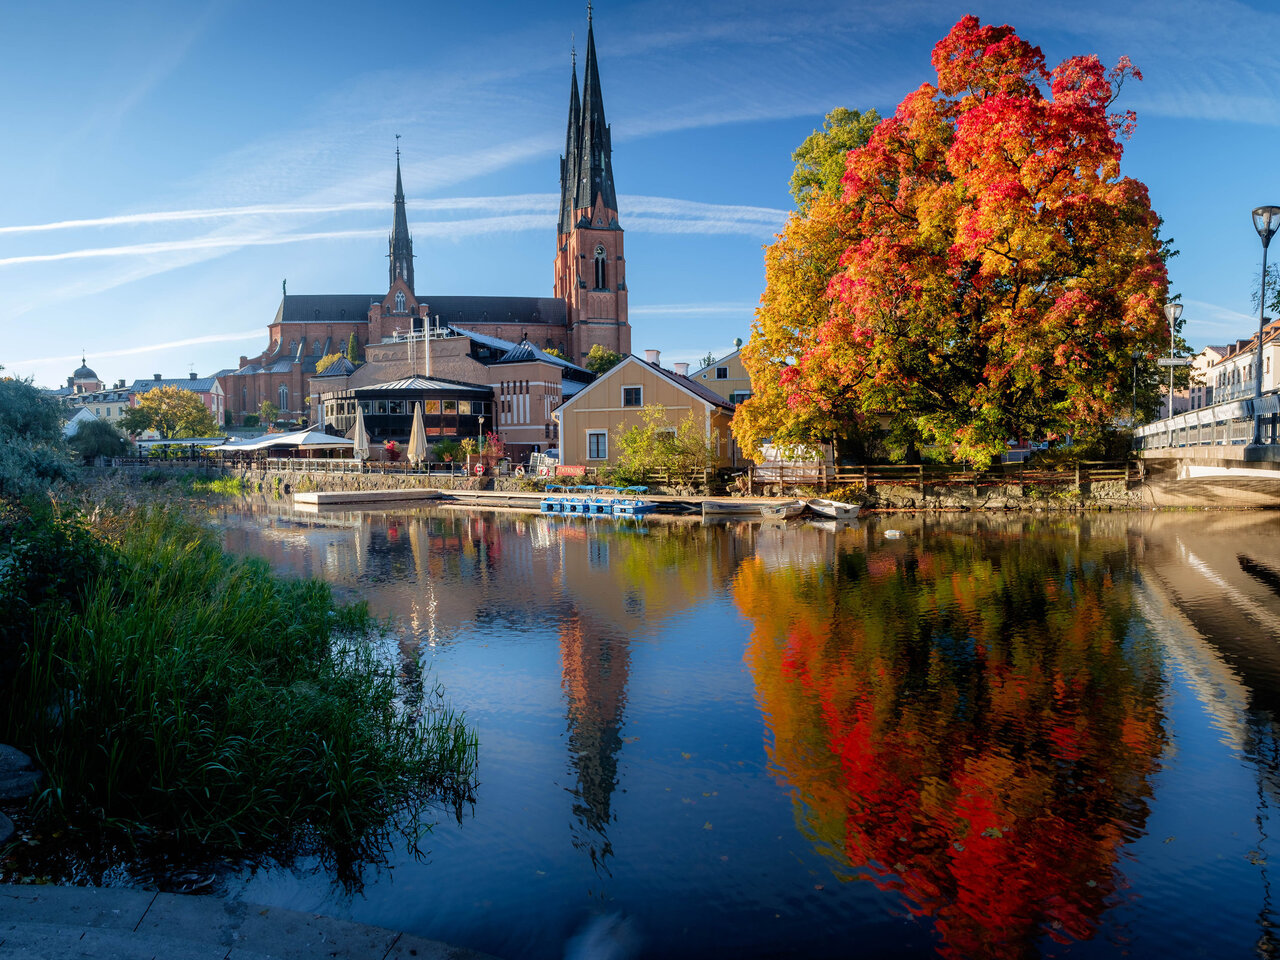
168	164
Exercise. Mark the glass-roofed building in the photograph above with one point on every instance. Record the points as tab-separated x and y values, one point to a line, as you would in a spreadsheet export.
450	409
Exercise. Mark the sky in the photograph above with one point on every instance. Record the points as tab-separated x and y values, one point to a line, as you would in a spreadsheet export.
169	164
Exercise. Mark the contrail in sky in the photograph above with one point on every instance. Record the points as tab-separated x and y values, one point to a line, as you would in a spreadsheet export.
151	348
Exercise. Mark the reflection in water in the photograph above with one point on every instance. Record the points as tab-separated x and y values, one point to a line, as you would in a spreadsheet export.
969	720
974	717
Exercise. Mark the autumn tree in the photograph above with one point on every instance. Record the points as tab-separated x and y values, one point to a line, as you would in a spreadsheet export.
998	272
172	412
555	352
600	360
328	360
798	270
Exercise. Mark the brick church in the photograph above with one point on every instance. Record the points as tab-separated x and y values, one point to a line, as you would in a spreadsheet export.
588	305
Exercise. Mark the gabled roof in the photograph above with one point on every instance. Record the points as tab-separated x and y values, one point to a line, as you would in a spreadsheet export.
342	367
717	363
684	383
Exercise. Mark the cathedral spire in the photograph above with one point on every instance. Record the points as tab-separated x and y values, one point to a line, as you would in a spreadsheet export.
401	244
569	162
595	163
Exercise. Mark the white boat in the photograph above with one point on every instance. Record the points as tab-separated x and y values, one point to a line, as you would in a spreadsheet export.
782	511
751	508
834	509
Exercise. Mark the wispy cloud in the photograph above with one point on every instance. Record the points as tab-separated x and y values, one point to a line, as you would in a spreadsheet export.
154	347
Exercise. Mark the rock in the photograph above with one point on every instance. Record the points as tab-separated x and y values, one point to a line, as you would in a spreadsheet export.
19	785
18	776
6	830
13	760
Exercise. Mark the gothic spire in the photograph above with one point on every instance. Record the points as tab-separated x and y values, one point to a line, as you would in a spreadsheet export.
595	163
569	162
401	243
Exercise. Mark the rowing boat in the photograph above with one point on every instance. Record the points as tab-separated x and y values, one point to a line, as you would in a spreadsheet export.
834	509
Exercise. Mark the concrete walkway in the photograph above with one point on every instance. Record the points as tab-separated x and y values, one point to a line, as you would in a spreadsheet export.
70	923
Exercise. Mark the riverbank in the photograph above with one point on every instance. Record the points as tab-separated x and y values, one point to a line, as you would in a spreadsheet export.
97	923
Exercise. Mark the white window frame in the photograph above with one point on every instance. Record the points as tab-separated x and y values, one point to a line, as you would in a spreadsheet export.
722	373
598	433
623	399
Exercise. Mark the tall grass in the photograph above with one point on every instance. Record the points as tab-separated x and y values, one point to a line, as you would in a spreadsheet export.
195	697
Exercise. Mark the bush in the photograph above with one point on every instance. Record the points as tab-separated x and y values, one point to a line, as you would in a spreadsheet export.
171	691
251	420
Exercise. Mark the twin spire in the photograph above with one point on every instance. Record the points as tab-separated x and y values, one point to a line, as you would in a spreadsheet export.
586	169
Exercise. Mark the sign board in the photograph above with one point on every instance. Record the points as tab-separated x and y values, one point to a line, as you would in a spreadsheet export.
1174	362
571	471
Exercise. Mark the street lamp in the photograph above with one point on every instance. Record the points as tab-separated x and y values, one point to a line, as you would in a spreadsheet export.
1172	311
1265	220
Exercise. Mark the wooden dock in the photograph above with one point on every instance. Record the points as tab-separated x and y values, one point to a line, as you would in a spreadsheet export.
327	498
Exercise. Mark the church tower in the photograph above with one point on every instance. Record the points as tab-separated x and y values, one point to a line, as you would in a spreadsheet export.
590	267
398	312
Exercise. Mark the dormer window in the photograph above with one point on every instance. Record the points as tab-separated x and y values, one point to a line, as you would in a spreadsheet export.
399	301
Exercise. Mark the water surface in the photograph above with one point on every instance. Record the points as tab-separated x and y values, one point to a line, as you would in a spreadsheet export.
988	737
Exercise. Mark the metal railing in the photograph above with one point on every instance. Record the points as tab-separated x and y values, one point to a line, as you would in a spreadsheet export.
1230	423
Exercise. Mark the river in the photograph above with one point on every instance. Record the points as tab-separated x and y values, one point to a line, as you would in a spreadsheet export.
966	736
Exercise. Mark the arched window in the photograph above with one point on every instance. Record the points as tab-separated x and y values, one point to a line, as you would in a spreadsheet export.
399	301
283	395
600	278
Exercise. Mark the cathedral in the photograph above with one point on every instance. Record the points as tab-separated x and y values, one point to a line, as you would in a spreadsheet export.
401	331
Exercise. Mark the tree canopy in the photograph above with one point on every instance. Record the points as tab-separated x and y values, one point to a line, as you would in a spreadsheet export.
601	360
32	454
98	438
173	413
994	271
820	161
659	443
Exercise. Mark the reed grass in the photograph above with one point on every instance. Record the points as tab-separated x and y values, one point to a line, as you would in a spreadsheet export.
193	697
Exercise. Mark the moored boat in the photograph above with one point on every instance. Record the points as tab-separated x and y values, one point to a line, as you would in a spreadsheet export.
783	511
751	508
834	509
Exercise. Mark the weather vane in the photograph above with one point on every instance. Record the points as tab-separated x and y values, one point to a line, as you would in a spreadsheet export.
588	11
397	146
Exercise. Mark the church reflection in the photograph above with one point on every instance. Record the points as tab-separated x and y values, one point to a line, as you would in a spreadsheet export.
600	587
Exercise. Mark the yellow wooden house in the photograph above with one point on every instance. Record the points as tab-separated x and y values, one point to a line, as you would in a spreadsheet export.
727	377
593	417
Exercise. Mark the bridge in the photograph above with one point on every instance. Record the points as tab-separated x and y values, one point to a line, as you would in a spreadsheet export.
1225	454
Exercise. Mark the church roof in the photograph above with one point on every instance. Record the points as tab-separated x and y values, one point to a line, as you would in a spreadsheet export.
83	372
326	307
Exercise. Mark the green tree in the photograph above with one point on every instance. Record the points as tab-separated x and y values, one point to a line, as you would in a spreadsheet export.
268	413
32	454
173	413
708	360
601	360
820	161
656	443
353	348
98	438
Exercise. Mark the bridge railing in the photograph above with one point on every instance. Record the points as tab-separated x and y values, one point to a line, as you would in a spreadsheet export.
1233	423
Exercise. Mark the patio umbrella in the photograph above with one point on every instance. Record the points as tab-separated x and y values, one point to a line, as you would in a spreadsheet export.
417	437
361	437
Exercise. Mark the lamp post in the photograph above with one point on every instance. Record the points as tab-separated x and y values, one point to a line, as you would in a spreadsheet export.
1172	311
1265	220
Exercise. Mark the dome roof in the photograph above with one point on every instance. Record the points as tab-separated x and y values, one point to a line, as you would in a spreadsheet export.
83	372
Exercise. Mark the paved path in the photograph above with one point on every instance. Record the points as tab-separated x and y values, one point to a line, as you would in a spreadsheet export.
90	923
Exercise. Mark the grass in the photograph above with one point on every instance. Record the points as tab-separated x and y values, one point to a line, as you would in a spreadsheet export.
176	693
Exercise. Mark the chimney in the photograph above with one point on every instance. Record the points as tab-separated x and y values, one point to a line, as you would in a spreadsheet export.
191	375
120	385
681	368
155	376
70	381
651	356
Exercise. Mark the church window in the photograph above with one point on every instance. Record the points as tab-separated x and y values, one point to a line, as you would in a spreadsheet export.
399	301
600	262
283	396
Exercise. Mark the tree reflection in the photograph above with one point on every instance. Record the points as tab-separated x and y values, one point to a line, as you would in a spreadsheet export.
969	721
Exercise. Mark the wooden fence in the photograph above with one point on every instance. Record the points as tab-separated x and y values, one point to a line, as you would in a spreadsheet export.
920	476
